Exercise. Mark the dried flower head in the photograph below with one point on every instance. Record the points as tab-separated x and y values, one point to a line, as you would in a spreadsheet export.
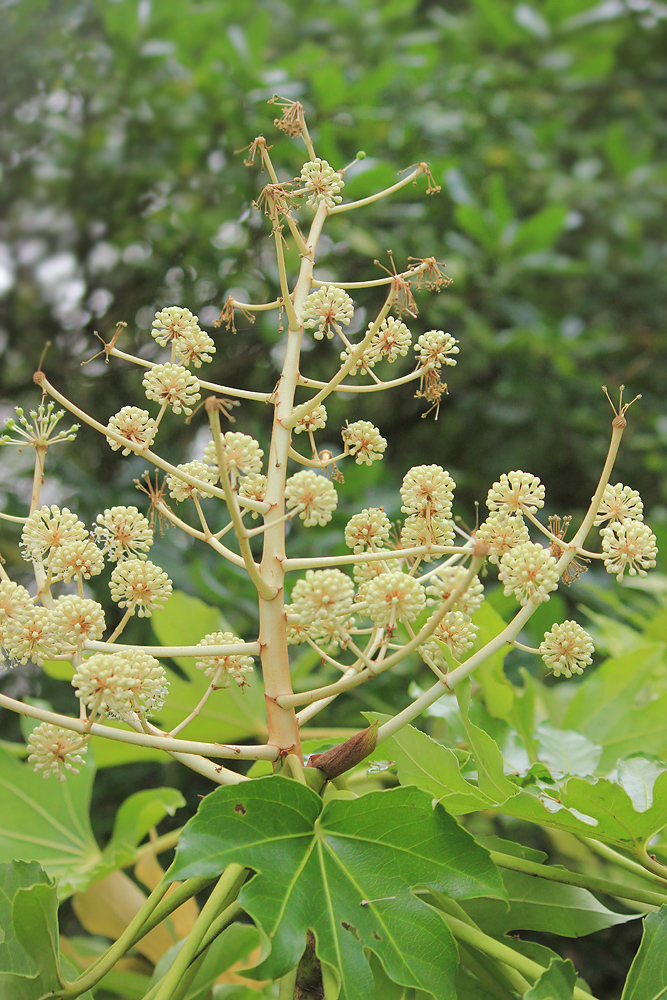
46	529
393	597
529	572
172	385
327	308
55	751
428	490
321	182
367	530
138	584
317	495
80	558
316	420
135	425
233	665
364	441
324	593
620	503
456	632
567	649
77	619
515	492
242	454
502	533
445	581
628	545
30	637
180	490
124	533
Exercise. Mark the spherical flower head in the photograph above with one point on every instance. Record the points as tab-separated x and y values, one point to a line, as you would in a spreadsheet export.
297	631
77	619
55	751
366	571
393	597
135	425
529	572
233	665
316	420
445	581
46	529
242	454
456	632
31	637
364	441
316	493
173	385
322	182
367	530
327	308
502	533
80	558
516	492
180	490
15	604
567	649
619	503
138	584
173	324
124	533
628	545
194	348
254	488
419	530
324	593
391	341
428	490
121	684
435	349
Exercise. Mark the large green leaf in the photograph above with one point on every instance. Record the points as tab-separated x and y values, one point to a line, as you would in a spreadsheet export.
231	713
647	978
611	706
29	952
344	869
488	757
15	875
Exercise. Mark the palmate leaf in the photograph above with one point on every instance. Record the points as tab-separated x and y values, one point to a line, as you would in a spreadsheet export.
345	870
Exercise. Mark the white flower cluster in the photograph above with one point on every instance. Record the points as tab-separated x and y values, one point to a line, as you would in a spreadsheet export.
393	597
178	328
501	532
515	492
55	751
364	441
314	493
179	490
528	571
627	542
138	584
253	487
322	183
567	649
234	665
133	424
446	580
46	530
124	533
242	454
455	631
328	309
435	349
391	341
172	385
121	684
323	594
368	529
315	420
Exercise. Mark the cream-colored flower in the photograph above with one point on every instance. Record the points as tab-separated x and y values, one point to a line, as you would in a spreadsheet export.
233	665
391	341
135	425
194	348
515	492
297	631
173	385
620	503
55	751
324	593
121	684
124	533
456	632
254	488
367	530
428	490
30	637
174	324
444	582
364	441
315	420
46	529
80	558
140	585
366	571
76	619
628	545
180	490
15	604
502	533
435	349
322	182
316	493
567	649
529	572
393	597
242	454
417	530
327	308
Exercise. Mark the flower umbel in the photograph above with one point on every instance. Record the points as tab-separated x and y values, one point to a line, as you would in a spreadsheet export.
321	182
55	751
567	649
515	492
173	386
393	597
628	545
39	431
46	529
234	665
124	533
620	503
364	441
316	493
529	572
135	425
138	584
327	308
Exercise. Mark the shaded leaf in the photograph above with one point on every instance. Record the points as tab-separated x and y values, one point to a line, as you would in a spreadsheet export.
557	983
647	978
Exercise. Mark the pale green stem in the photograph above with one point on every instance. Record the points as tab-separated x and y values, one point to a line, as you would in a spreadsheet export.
121	625
609	854
211	540
15	520
202	701
311	383
224	649
412	272
38	477
251	532
315	562
347	207
316	463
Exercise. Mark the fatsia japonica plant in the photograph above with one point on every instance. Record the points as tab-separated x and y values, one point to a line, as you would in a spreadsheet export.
352	870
